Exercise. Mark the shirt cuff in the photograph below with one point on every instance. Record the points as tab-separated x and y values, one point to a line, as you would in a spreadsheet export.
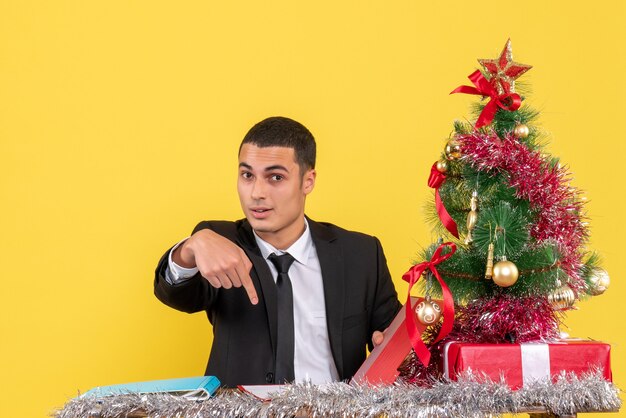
174	273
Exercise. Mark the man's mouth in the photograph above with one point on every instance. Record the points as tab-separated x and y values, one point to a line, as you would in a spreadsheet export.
260	213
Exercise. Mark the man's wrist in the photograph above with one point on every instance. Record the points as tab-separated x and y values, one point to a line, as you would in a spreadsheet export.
182	256
175	273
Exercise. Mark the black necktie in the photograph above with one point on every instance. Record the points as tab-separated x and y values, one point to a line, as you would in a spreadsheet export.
285	343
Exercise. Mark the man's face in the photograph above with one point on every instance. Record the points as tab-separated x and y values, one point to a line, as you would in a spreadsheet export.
272	192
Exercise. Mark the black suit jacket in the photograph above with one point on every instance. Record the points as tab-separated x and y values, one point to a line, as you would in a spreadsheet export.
359	295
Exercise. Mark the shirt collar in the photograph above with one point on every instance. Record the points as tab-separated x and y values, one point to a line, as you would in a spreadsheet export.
299	250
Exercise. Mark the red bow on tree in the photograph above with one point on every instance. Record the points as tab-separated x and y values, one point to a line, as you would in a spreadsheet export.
508	101
412	276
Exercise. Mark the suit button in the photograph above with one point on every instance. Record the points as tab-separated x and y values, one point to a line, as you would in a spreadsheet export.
269	378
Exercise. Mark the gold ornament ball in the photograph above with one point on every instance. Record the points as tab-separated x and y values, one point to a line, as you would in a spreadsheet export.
562	298
428	312
521	131
453	150
599	282
442	166
505	273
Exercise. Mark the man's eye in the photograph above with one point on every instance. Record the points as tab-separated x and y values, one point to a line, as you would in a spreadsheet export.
246	175
277	177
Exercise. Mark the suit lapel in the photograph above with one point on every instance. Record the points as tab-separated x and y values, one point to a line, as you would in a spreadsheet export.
331	262
268	286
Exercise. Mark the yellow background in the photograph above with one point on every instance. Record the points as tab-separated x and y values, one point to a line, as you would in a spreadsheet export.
120	121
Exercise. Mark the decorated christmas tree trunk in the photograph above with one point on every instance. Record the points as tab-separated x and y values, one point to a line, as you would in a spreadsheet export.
514	255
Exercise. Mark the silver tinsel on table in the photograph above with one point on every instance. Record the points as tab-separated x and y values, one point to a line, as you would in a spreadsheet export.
471	396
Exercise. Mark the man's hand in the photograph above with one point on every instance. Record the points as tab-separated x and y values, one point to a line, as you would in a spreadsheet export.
378	338
219	260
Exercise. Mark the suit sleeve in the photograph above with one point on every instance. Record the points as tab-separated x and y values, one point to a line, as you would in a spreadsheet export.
192	295
386	304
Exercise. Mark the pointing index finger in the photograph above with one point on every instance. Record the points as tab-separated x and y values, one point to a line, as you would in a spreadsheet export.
243	271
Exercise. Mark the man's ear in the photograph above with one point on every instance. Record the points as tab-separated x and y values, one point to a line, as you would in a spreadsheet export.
308	181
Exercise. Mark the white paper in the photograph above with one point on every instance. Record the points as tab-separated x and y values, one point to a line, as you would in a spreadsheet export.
263	392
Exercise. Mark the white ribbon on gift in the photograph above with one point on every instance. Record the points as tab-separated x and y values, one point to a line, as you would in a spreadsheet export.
535	362
446	361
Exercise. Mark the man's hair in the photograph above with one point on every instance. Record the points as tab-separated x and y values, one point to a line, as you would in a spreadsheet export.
278	131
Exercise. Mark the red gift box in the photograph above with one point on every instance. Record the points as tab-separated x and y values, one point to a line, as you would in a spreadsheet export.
520	364
381	366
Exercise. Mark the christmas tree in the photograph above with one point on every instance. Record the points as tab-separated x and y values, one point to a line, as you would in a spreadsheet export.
514	258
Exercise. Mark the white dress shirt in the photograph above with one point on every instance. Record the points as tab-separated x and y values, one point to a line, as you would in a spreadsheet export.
313	360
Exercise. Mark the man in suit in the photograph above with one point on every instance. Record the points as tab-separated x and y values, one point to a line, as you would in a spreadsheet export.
290	299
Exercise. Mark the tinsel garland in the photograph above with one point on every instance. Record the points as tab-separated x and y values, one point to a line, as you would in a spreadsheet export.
506	319
471	396
544	185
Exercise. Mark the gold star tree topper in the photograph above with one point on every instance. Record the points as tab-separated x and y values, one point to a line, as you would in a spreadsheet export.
503	70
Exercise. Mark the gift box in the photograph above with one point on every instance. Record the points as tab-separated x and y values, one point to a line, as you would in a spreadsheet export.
381	366
520	364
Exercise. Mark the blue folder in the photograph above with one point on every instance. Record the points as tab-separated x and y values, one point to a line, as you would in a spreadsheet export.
191	387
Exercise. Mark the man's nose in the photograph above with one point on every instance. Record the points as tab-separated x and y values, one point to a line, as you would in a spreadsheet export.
258	189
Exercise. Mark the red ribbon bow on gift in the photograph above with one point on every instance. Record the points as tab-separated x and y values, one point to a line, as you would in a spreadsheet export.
508	101
412	276
435	180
